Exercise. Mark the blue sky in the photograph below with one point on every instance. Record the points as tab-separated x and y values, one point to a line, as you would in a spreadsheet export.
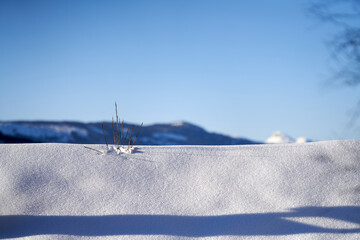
244	68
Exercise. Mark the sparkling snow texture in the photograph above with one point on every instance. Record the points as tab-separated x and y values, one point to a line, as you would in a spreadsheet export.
285	191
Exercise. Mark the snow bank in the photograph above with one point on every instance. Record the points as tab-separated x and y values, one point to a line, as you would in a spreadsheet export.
285	191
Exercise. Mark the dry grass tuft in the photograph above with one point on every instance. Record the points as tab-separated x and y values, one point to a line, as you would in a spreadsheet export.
119	141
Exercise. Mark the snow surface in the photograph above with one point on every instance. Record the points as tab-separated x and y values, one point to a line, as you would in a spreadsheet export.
282	191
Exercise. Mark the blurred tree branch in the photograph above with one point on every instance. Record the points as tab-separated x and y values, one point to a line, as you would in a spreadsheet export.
344	15
345	45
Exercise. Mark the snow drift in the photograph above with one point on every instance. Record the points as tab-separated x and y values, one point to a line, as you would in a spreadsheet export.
286	191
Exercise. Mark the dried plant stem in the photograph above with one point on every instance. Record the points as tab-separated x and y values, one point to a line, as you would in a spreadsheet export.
132	128
117	132
117	126
126	135
121	131
113	129
137	134
94	149
102	127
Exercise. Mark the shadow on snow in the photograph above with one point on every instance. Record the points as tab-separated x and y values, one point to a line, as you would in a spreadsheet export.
14	226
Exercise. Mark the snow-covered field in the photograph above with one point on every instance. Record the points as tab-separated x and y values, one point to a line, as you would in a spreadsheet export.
285	191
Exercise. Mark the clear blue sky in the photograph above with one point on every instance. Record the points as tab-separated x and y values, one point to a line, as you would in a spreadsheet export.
243	68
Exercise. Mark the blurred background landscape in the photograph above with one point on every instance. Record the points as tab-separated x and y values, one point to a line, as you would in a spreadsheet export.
195	72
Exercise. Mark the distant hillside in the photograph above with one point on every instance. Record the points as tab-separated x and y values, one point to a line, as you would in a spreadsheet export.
180	133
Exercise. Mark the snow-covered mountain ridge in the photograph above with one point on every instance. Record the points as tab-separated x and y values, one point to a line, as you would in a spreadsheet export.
279	137
179	133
